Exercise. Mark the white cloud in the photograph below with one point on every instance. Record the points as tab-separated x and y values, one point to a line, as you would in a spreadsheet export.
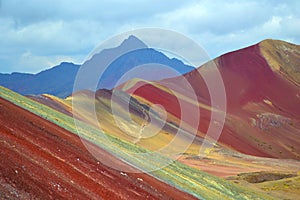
56	30
32	63
216	16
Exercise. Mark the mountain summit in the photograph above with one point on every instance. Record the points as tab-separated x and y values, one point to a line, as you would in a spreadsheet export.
133	42
131	59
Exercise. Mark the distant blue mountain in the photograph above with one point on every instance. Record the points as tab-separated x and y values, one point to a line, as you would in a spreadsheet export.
59	80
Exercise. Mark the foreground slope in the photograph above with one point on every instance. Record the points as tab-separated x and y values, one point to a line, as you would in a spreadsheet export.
40	160
194	182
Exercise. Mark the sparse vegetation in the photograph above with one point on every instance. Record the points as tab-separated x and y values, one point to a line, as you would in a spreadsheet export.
259	177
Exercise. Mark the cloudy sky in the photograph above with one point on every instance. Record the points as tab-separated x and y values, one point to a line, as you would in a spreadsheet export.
35	35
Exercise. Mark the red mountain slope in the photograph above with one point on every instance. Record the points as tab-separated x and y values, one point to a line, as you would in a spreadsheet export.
262	93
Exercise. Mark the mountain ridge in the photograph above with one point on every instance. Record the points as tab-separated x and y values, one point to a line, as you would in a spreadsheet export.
59	80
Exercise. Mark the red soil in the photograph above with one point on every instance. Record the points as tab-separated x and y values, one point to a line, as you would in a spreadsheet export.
248	78
39	160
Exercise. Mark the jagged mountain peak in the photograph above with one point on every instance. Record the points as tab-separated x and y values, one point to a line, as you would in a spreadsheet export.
133	41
